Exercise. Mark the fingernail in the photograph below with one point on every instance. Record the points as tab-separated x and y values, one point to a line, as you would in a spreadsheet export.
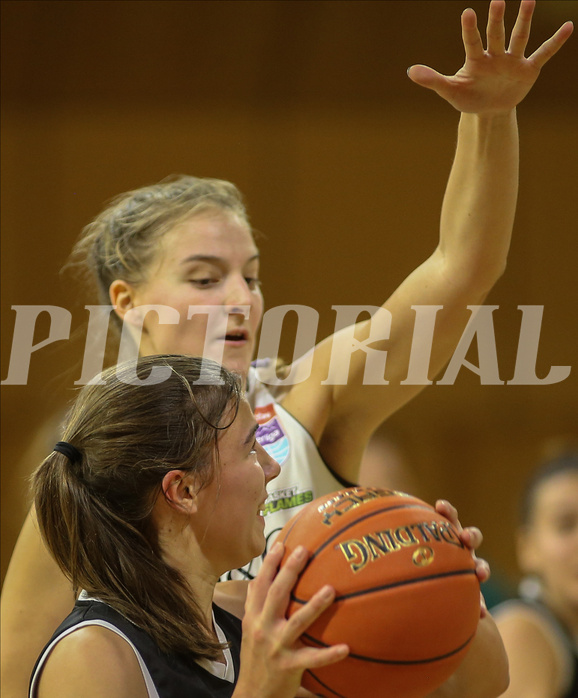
326	592
299	553
277	547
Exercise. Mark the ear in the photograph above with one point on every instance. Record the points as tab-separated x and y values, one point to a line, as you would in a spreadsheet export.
122	296
179	491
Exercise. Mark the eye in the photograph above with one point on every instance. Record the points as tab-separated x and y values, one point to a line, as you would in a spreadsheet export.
253	283
204	282
254	447
566	524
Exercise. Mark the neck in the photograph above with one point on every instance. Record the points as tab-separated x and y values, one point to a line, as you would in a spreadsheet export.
180	549
195	570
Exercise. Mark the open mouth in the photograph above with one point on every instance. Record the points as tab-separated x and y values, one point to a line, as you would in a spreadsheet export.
236	336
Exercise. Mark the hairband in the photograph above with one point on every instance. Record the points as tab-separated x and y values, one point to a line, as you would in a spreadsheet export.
70	451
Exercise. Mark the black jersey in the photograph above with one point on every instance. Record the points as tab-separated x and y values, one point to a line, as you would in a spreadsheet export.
166	675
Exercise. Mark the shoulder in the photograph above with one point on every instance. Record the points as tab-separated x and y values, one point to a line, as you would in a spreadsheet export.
92	661
266	378
522	623
520	620
539	660
229	603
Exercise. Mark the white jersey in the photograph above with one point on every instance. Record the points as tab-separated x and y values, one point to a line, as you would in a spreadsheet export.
304	475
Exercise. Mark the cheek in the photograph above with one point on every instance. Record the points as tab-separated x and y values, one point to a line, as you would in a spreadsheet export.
196	325
257	309
554	553
253	487
185	337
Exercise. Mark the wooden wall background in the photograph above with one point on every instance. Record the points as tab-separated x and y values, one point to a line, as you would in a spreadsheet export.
306	106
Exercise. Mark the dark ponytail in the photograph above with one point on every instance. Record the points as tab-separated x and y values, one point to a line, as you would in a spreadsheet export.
95	514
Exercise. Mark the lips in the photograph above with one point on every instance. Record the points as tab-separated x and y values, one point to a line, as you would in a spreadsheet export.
239	335
262	507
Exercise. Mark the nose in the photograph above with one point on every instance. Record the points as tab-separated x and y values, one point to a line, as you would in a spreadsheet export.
238	295
270	466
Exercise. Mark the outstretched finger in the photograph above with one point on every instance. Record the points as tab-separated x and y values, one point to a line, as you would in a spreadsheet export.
471	35
496	34
428	77
521	30
542	55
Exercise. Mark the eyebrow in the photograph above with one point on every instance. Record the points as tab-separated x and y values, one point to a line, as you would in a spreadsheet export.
214	259
251	434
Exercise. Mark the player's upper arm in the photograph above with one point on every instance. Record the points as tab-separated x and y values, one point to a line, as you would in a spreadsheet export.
340	402
32	574
92	662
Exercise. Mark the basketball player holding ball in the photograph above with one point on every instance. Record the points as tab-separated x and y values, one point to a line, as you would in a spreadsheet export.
155	490
476	224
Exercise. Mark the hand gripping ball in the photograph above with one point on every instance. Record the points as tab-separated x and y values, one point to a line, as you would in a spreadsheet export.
407	596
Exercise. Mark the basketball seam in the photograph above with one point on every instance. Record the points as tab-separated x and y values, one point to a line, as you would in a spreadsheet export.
408	662
404	582
325	686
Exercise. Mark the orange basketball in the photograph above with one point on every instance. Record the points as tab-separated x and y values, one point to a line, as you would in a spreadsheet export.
407	596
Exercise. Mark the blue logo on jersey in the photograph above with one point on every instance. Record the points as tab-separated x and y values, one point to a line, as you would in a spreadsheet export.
274	440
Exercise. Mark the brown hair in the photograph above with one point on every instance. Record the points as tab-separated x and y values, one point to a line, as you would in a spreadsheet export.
95	515
566	461
120	241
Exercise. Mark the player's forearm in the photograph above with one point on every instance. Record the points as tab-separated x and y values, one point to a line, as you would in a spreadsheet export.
480	201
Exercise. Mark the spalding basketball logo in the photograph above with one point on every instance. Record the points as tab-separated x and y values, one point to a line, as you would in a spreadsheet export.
423	557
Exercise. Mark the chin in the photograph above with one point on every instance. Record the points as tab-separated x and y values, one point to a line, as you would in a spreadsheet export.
259	549
252	553
237	365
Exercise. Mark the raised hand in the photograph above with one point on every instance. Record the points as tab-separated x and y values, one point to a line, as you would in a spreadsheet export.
272	656
495	79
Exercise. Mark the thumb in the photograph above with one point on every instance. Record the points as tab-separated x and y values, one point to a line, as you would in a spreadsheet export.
427	77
